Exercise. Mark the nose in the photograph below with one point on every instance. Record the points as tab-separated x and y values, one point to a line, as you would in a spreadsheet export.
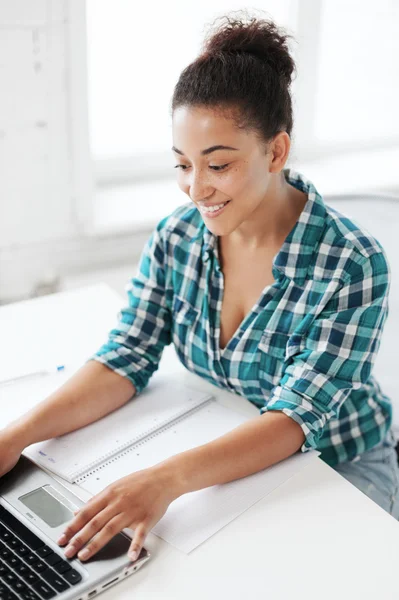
199	187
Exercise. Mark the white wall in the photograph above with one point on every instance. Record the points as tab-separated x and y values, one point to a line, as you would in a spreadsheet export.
35	199
41	230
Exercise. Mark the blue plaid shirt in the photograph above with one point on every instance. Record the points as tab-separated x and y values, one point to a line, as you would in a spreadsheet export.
306	348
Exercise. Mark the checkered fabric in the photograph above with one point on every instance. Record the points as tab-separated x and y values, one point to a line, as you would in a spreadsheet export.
306	348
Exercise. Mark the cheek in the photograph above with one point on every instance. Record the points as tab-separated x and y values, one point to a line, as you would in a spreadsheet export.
256	183
234	182
239	183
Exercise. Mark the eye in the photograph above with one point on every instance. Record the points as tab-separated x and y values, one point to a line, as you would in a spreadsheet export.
213	167
219	167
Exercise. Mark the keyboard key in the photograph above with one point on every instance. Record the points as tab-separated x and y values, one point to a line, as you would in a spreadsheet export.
14	543
10	578
62	567
5	554
20	529
72	576
19	586
52	559
3	567
21	549
22	569
29	595
39	566
31	558
55	580
31	577
45	591
14	561
5	535
28	575
8	595
44	551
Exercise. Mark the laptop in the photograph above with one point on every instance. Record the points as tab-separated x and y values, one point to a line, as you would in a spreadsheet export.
34	509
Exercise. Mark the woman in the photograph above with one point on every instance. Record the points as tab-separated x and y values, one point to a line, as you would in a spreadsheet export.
262	288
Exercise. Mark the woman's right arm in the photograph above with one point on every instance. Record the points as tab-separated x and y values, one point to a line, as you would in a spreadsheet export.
92	392
131	354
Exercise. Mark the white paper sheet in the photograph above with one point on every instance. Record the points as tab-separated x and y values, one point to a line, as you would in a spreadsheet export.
195	517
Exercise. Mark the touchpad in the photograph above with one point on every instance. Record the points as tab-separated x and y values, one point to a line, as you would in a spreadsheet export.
43	502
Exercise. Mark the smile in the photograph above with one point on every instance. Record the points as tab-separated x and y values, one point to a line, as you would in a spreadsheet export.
213	211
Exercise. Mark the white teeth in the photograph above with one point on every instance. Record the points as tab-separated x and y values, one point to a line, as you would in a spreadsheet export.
212	208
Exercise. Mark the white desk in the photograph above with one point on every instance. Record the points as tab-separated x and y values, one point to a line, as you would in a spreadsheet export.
315	537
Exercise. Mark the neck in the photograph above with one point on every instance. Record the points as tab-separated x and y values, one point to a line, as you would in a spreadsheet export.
272	220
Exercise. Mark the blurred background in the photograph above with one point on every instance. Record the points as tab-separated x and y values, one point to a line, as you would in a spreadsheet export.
85	130
85	127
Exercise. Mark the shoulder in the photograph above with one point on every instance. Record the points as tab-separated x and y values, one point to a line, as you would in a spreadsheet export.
351	248
327	244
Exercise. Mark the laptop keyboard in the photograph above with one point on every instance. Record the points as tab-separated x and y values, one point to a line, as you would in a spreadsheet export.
29	569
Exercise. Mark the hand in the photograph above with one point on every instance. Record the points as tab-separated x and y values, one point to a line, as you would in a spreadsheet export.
137	501
10	450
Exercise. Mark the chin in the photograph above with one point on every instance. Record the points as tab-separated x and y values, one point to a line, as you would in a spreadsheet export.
218	229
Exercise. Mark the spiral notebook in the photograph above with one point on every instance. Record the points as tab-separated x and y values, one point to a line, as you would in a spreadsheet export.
166	418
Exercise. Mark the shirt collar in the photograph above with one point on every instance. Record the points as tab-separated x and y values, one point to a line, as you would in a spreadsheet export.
294	256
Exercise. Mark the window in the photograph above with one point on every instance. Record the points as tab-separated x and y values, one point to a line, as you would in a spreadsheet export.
358	75
135	57
345	95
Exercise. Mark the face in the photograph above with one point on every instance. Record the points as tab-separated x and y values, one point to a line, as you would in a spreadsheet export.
236	178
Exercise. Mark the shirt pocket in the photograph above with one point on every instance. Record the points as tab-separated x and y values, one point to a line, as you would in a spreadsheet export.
183	313
275	349
184	320
280	344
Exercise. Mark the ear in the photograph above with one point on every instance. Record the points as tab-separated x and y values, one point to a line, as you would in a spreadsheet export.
279	150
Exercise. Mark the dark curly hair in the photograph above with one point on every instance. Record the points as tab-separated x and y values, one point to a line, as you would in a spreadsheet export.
245	67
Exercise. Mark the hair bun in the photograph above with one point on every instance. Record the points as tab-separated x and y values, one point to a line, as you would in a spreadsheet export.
259	37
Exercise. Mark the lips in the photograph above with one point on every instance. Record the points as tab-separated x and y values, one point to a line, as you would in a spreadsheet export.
216	204
214	213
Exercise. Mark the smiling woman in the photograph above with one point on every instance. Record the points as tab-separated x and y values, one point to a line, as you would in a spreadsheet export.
263	289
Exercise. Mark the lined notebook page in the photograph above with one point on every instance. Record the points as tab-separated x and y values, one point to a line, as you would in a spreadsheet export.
203	425
194	517
70	455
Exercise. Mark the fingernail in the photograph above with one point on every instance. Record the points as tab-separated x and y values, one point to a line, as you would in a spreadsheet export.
62	539
133	554
84	553
70	551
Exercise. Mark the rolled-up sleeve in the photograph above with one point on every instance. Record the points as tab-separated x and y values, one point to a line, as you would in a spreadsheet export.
134	348
337	352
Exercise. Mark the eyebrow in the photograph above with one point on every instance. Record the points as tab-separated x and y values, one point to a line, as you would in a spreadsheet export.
208	150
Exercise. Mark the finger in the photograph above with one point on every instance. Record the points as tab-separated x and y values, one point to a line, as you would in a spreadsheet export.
108	531
86	513
96	523
140	533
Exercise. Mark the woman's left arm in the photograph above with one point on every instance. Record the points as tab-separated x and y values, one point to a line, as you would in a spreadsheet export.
139	500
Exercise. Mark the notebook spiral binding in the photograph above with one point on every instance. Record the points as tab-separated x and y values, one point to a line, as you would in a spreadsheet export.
140	441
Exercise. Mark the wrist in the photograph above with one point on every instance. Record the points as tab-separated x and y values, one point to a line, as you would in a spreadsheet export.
171	475
19	434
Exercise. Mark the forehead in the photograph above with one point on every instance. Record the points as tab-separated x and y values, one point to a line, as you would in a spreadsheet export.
201	127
